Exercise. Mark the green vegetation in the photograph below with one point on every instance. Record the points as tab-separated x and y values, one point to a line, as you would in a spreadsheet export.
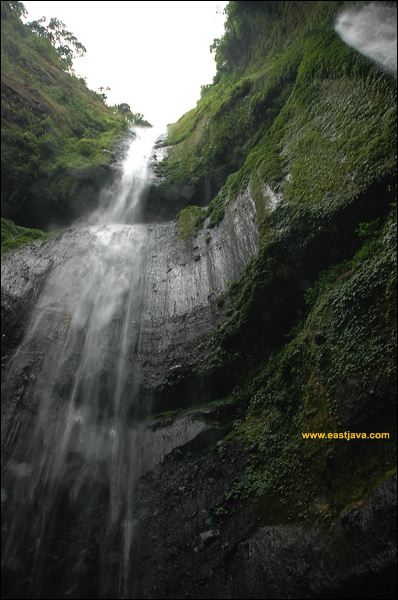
189	220
65	43
336	373
292	106
310	330
133	118
58	137
13	236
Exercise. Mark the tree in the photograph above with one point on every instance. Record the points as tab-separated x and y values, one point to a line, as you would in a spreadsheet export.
134	118
124	109
65	43
16	8
102	94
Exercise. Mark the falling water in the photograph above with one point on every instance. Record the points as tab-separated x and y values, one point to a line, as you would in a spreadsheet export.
372	30
122	202
74	465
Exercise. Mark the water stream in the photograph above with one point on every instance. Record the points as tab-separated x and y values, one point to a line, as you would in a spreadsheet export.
74	461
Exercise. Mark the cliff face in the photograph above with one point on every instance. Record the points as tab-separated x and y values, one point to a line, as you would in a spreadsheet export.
307	125
272	310
182	293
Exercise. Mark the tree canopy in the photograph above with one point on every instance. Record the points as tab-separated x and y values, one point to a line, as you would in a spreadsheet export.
66	44
134	118
17	8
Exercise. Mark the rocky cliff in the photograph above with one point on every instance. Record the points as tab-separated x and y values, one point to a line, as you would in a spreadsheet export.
305	126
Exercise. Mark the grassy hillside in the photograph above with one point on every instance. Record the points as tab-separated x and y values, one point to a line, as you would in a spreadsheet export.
58	137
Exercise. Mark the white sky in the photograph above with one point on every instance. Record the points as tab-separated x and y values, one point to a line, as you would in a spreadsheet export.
153	55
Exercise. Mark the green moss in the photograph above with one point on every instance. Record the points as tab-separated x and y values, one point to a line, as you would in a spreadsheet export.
189	219
337	372
14	237
216	209
257	191
167	417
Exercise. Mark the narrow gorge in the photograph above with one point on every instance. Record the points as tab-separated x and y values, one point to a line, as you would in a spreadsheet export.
197	298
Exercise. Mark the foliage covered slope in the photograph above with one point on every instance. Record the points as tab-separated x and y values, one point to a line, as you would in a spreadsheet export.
58	137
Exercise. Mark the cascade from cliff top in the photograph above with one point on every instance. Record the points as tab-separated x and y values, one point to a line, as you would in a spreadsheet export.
83	430
121	203
113	307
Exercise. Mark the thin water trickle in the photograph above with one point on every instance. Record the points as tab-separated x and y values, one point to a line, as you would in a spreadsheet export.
74	464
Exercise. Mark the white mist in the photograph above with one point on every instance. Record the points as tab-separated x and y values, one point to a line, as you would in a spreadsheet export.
372	30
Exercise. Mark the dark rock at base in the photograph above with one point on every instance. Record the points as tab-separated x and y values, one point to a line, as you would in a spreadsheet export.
237	558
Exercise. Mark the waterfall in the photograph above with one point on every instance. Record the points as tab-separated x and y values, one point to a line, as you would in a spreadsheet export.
122	202
110	310
74	461
372	30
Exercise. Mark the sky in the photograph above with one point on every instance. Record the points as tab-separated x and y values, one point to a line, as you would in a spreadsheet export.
153	55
